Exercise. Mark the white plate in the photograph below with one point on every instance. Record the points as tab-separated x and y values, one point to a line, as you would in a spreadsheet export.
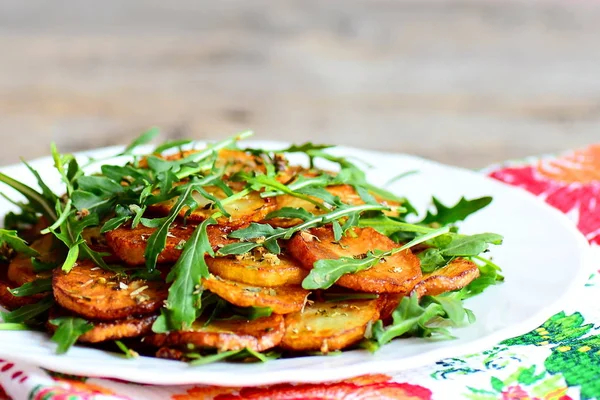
544	258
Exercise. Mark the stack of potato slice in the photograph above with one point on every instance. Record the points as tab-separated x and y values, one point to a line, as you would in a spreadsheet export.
120	306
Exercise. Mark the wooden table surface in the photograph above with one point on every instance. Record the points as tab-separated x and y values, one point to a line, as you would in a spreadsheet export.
467	83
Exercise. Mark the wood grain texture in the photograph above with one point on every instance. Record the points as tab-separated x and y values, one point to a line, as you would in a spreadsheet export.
467	83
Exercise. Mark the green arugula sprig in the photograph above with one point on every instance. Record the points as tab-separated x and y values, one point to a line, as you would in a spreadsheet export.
10	239
68	330
34	287
257	235
184	293
29	312
245	355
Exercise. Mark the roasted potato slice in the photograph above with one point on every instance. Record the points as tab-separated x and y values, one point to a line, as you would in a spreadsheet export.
10	302
114	330
395	274
456	275
20	270
325	327
281	299
130	244
224	335
250	208
258	269
95	293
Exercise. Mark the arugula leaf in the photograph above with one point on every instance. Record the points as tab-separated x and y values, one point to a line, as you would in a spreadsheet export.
432	259
326	272
29	312
304	148
452	305
409	318
36	200
11	238
33	287
170	145
96	194
255	231
48	194
209	359
158	240
237	248
26	218
460	211
144	138
123	214
388	226
452	245
300	183
186	275
261	181
270	235
489	275
251	313
464	246
39	266
11	326
233	355
201	156
68	331
291	213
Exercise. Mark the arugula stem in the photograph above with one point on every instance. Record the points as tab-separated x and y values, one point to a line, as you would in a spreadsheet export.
329	217
236	196
66	212
201	155
402	226
31	194
420	239
487	262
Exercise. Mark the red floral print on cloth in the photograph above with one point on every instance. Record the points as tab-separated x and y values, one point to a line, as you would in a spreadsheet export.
67	389
518	393
361	388
570	183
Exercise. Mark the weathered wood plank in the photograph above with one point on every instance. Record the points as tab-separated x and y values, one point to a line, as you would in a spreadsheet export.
467	83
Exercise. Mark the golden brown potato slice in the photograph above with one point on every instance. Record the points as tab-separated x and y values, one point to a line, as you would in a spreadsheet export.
10	302
281	299
260	334
258	269
130	244
250	208
20	269
114	330
396	274
330	326
95	293
456	275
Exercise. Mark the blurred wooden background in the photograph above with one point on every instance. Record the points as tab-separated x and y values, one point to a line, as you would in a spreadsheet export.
464	82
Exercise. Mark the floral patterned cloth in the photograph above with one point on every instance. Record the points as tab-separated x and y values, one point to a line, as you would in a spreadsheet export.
560	360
